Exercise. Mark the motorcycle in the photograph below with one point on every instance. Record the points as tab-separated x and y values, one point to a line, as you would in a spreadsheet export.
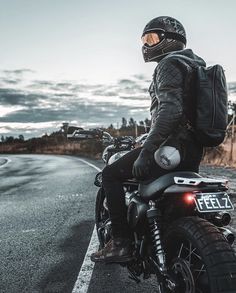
179	223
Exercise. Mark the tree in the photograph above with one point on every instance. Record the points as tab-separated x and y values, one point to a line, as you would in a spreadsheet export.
147	122
131	122
21	138
124	122
2	138
9	139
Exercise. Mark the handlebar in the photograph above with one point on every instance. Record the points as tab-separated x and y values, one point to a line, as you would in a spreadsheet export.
126	140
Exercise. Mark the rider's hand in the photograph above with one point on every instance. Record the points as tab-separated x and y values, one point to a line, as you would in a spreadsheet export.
141	167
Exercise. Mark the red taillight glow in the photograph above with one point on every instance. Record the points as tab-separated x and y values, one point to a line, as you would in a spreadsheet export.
189	198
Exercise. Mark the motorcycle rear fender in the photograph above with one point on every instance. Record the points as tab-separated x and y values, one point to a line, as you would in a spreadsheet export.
174	189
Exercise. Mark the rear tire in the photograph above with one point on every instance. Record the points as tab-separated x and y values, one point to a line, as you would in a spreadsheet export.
196	250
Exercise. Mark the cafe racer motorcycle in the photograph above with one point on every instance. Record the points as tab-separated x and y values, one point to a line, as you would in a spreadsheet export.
179	223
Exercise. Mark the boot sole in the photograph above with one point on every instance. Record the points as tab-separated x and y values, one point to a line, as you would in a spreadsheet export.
118	260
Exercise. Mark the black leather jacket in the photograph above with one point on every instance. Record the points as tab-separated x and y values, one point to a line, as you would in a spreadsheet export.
170	81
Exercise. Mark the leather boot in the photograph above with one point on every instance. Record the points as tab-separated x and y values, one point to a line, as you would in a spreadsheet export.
117	250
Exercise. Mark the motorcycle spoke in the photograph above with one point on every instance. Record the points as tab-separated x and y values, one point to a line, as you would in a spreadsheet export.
202	270
188	258
189	253
180	251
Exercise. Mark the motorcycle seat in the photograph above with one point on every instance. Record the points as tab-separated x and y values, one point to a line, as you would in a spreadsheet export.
151	190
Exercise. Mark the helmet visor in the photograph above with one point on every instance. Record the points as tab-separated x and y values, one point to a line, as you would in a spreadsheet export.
151	39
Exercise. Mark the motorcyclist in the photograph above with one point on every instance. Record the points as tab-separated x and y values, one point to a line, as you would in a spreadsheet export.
170	144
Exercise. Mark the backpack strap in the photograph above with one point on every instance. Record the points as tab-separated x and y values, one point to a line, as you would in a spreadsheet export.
188	91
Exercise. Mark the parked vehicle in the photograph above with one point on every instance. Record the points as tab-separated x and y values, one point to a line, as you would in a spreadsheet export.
96	133
180	229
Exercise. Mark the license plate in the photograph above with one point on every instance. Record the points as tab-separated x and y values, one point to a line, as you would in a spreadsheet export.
213	202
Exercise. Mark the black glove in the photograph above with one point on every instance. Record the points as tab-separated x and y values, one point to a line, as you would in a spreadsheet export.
141	167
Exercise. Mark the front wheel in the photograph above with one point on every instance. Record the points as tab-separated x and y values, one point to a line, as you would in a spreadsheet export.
199	258
102	220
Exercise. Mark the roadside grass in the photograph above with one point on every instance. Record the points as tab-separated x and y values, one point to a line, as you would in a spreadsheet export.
221	155
218	156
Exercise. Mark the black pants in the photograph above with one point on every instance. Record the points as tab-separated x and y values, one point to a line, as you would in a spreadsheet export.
113	175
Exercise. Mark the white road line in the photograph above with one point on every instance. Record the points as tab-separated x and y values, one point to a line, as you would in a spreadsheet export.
86	270
91	165
7	161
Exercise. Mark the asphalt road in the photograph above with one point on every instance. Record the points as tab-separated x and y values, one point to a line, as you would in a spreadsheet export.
47	218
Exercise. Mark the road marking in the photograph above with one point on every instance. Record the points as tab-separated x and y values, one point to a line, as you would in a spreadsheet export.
5	163
86	270
91	165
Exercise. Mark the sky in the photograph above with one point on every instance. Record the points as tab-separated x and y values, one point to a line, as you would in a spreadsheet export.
81	61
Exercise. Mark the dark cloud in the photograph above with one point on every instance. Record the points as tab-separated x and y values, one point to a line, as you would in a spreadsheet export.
76	110
18	98
18	71
140	76
67	106
105	93
63	86
127	82
11	81
133	98
41	84
232	86
52	103
64	95
13	77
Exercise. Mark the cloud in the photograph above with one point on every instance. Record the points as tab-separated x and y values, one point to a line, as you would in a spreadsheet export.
17	71
40	103
10	96
11	81
33	107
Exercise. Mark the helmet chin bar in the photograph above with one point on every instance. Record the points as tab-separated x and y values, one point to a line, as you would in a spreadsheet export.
157	52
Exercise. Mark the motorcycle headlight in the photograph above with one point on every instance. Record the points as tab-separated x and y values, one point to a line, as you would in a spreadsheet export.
105	154
116	156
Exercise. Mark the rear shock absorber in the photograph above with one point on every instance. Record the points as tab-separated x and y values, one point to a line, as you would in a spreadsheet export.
154	220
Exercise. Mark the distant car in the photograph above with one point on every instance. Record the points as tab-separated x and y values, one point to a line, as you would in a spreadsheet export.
72	130
81	134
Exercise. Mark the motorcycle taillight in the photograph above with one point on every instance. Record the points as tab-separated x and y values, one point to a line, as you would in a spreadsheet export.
189	198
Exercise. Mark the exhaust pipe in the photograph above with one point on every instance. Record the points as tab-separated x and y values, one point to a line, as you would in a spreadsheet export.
229	236
222	219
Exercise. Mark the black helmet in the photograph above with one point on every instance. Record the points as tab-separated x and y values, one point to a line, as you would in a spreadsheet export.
172	37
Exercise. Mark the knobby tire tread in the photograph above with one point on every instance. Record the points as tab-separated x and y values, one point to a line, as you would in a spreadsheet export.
216	252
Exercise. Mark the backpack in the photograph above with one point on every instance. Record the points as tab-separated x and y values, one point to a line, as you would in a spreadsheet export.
211	101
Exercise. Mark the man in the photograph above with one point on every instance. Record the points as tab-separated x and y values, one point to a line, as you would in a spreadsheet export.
171	138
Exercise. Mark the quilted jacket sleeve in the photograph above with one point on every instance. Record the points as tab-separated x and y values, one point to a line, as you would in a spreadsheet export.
169	82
